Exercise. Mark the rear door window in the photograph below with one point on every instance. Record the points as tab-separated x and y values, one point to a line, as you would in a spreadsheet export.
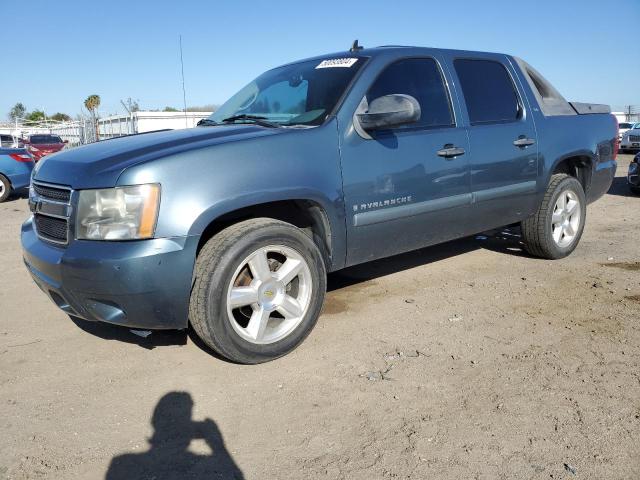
488	91
421	78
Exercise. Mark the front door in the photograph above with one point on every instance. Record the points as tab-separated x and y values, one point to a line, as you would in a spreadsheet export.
405	188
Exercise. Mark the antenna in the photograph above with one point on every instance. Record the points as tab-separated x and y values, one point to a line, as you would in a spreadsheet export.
355	47
184	93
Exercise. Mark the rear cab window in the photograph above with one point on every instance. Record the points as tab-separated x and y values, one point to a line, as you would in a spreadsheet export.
488	91
45	139
422	79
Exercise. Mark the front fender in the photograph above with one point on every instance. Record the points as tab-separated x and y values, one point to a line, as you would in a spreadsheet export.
329	207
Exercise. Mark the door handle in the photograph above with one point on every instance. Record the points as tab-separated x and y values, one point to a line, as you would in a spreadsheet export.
449	151
523	141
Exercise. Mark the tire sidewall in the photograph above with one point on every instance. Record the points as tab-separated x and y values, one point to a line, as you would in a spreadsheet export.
575	186
7	188
217	318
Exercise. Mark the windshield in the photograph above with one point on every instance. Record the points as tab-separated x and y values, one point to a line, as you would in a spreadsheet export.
625	125
43	139
300	94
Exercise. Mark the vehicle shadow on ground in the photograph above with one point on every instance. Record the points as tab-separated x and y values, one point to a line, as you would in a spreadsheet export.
19	194
143	338
506	240
169	456
620	187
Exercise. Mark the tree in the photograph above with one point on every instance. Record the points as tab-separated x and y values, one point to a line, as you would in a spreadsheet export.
91	103
35	116
17	112
134	106
170	109
60	117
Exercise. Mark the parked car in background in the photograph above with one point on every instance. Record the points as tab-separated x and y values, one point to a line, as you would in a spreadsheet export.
623	127
631	139
16	165
44	144
312	167
633	175
9	141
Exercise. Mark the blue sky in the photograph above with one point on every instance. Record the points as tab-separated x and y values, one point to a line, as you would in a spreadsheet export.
66	50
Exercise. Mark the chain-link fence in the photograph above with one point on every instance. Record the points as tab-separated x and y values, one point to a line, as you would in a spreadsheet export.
85	130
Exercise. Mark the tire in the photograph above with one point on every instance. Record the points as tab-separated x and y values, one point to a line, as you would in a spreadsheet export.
545	238
634	190
5	188
234	261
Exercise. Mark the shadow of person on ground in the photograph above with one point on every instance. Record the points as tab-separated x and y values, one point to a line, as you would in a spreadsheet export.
169	457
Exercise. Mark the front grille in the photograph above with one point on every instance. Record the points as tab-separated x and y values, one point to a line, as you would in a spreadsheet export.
50	228
51	212
634	138
53	193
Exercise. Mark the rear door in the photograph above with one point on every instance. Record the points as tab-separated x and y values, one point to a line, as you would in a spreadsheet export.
502	139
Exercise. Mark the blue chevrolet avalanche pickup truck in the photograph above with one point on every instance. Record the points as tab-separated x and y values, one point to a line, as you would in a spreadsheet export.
314	166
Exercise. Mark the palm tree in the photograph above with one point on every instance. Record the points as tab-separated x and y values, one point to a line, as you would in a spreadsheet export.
92	103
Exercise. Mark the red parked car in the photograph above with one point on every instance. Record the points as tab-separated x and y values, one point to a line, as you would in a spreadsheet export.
44	144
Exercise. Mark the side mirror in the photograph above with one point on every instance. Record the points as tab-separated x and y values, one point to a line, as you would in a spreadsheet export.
65	141
389	111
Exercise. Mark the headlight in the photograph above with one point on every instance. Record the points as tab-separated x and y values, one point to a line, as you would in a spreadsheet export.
121	213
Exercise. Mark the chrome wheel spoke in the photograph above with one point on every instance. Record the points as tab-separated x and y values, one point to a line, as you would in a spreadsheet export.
251	301
242	296
288	271
566	218
289	307
569	231
258	323
259	266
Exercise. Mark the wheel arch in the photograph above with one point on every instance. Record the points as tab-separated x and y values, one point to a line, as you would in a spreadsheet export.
310	215
577	164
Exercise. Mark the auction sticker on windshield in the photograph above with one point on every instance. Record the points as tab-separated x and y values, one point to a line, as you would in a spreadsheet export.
337	62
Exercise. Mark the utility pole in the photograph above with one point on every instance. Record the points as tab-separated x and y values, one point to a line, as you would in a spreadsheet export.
184	93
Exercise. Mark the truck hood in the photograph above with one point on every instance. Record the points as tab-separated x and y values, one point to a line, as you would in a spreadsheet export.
99	165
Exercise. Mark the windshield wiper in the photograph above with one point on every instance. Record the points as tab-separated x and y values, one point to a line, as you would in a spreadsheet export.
257	119
206	122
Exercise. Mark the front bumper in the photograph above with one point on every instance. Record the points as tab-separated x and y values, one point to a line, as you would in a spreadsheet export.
140	284
630	146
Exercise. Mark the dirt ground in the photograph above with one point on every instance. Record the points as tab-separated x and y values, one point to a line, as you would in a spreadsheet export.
465	360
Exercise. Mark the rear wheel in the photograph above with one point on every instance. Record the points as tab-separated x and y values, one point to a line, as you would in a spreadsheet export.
555	230
5	188
258	291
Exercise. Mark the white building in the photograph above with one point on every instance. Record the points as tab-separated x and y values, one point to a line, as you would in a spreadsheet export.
81	132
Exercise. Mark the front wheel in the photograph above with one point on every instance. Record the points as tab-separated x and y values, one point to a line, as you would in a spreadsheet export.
258	290
555	229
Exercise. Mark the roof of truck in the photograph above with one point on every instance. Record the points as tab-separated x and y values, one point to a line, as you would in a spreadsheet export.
385	50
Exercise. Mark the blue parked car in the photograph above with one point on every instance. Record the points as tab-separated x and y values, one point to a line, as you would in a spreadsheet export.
312	167
16	165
